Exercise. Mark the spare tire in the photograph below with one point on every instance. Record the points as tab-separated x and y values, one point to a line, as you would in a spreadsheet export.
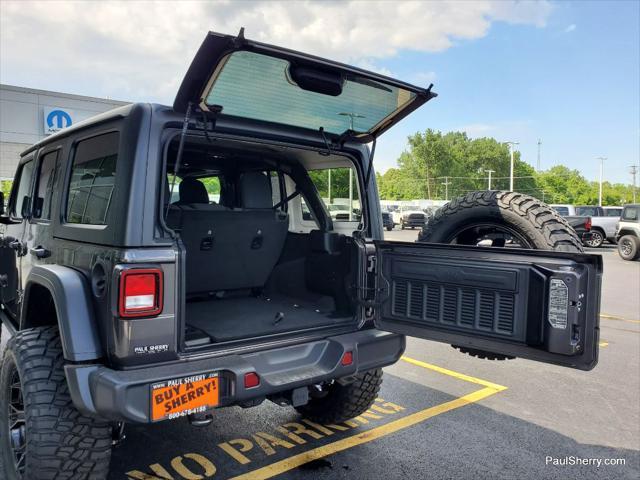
500	219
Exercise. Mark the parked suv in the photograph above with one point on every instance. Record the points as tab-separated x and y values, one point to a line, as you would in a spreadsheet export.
123	305
628	234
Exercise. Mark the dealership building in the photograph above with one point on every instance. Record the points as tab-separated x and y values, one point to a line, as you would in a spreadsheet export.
28	115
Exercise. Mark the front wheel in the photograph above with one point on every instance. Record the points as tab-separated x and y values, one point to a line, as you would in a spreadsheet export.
629	247
42	435
596	240
336	402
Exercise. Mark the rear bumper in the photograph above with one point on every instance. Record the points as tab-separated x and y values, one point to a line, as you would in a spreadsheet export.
124	395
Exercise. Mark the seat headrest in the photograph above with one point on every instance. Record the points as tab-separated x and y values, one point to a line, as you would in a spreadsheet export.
255	190
193	190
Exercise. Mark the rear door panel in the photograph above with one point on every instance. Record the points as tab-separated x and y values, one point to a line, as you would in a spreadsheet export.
534	304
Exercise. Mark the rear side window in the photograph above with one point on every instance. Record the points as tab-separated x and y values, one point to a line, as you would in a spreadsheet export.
21	202
613	212
44	187
631	213
92	182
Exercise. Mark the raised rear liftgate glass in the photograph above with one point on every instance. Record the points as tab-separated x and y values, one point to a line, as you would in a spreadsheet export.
260	87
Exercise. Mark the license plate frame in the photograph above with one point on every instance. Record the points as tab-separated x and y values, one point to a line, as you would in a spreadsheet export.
179	397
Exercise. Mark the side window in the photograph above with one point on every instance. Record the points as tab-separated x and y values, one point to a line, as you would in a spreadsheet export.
338	188
630	213
212	184
44	186
276	190
21	201
92	180
613	212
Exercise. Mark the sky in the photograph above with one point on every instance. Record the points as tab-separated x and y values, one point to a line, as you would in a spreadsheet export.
567	73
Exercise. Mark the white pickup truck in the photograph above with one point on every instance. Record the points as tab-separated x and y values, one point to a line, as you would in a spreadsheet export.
604	221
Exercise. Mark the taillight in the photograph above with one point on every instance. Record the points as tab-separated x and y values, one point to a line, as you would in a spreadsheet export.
140	292
587	224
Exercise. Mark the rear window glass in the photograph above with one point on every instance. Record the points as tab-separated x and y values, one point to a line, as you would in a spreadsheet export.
631	213
260	87
564	211
587	211
92	182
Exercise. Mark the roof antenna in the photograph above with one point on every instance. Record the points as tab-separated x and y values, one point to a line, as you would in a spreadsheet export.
326	143
176	166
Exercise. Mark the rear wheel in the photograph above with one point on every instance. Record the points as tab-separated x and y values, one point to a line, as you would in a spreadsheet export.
596	239
500	219
629	247
336	402
42	435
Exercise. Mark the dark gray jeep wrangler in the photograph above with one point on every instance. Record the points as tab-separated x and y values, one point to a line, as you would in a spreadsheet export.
162	262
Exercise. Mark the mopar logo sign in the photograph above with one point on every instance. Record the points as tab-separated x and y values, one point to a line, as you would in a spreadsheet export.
56	119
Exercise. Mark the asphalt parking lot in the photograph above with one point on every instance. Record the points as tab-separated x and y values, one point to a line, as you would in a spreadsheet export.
441	414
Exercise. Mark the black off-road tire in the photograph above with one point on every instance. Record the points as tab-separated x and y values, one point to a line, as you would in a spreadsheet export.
343	402
61	442
629	247
532	219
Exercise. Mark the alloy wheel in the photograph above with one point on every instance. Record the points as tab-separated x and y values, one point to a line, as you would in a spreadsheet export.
17	423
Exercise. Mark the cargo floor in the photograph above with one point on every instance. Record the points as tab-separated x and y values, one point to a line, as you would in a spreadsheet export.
240	317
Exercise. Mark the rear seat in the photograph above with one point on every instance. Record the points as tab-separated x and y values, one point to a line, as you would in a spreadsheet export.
230	249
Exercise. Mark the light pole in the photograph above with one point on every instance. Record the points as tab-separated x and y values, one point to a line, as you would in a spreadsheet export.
511	144
539	144
634	171
602	159
489	172
446	184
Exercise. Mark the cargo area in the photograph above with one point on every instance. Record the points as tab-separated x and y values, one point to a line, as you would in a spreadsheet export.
250	272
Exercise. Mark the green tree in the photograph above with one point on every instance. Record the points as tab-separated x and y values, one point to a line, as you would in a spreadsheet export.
434	158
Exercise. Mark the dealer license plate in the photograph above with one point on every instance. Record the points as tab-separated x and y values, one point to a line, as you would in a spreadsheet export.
184	396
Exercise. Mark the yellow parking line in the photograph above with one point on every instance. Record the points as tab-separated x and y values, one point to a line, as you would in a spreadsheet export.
613	317
604	344
290	463
451	373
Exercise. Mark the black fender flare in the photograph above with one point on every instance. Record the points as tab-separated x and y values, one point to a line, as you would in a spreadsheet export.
72	299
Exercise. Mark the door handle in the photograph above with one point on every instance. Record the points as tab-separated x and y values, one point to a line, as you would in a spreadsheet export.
40	252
